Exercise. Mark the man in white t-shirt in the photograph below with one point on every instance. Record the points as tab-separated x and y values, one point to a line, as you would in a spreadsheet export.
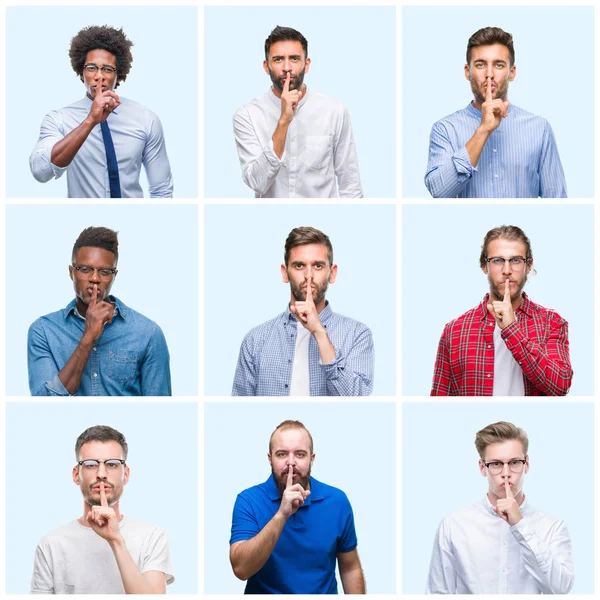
501	544
507	345
102	552
308	350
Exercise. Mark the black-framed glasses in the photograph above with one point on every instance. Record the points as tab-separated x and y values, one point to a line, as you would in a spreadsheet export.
516	465
112	464
106	69
102	271
516	262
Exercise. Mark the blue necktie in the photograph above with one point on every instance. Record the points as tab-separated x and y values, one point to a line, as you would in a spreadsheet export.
111	161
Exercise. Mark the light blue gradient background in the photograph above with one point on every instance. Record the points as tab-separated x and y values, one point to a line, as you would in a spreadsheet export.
442	279
440	473
163	78
352	455
243	286
554	54
353	54
158	275
162	490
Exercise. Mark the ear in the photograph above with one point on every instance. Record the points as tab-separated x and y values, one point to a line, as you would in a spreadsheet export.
485	269
71	269
76	475
269	457
284	274
482	468
527	464
529	266
127	473
333	274
312	458
513	73
266	66
467	73
307	65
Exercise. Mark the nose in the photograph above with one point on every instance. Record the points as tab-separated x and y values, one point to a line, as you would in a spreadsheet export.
291	460
507	269
95	276
101	473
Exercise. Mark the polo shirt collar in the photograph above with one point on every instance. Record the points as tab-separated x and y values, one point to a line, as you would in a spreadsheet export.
120	308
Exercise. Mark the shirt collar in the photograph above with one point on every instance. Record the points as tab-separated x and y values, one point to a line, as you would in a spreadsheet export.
120	308
525	307
316	491
324	315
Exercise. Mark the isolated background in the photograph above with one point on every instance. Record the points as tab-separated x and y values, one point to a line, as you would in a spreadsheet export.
440	473
554	54
162	489
39	78
442	279
355	448
353	54
158	275
243	286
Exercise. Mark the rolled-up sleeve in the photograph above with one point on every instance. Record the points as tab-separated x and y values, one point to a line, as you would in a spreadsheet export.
346	162
51	132
156	161
43	370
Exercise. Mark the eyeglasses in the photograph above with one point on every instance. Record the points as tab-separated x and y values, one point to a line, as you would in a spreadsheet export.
516	262
112	464
106	69
516	465
102	271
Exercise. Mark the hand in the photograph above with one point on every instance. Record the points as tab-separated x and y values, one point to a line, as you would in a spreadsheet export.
293	496
103	104
502	311
508	508
103	520
306	311
97	315
289	101
492	111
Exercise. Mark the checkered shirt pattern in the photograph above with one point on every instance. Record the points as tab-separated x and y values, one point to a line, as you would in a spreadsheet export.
538	340
267	356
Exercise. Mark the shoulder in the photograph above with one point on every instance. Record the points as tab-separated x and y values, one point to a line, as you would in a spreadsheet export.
60	534
460	116
141	528
51	318
548	521
133	317
524	117
133	107
548	315
347	323
465	320
461	516
260	102
329	492
262	331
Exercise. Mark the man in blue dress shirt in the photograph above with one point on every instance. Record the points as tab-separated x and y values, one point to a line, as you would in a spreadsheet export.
97	346
103	139
288	532
492	149
308	350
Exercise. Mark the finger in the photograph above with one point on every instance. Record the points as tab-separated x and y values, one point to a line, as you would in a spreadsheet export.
306	493
94	296
491	310
488	89
286	83
290	479
103	500
507	291
309	294
507	489
506	105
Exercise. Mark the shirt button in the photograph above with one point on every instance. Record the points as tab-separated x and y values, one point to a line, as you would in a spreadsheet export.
496	175
286	386
489	375
95	374
489	345
94	348
494	150
289	360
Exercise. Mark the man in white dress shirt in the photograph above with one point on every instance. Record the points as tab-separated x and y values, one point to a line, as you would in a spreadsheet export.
103	139
293	142
502	544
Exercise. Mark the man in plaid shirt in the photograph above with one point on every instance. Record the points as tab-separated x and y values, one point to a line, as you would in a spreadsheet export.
507	345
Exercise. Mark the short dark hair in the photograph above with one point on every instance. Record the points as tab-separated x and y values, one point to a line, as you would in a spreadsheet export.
280	34
504	232
102	37
488	36
101	433
300	236
98	237
291	424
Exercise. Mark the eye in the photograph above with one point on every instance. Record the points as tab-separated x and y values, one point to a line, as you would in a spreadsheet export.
112	464
495	464
515	462
500	65
90	464
85	270
106	272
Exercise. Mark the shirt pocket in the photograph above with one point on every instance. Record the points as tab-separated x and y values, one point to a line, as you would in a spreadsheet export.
317	151
122	365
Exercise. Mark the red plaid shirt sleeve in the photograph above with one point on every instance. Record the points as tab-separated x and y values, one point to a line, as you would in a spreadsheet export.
441	370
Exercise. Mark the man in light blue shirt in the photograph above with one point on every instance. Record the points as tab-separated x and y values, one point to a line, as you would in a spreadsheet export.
103	139
97	346
308	350
492	149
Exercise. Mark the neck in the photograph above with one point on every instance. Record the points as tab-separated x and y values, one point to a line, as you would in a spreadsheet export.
81	307
87	507
493	498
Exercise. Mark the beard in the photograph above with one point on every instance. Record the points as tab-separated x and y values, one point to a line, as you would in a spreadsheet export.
300	295
295	84
112	496
281	480
495	294
479	93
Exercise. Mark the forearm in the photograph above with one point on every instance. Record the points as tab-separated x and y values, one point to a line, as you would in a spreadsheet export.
353	581
279	137
476	144
70	375
249	557
65	150
326	349
133	581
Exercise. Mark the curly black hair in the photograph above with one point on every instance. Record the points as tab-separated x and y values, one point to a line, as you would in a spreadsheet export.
102	37
98	237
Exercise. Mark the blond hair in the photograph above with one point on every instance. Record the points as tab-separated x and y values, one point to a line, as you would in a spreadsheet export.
499	432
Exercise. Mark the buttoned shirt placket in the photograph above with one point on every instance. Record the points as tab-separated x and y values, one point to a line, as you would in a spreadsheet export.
292	139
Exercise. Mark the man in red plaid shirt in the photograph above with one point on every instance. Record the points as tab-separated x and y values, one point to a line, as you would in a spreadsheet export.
507	345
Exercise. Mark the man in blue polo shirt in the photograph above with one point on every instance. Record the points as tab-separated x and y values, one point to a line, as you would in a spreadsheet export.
287	532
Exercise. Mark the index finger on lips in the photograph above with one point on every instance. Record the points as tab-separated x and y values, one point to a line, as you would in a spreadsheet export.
94	295
290	478
103	500
488	89
286	83
309	294
507	489
507	291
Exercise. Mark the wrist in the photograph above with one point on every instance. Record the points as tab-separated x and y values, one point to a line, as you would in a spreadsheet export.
483	132
279	517
320	333
89	122
117	543
284	122
87	342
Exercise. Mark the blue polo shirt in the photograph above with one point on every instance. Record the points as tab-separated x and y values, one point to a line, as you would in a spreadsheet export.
303	560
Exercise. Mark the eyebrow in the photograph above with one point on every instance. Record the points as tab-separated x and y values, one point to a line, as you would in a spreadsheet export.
303	262
495	60
498	460
282	56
